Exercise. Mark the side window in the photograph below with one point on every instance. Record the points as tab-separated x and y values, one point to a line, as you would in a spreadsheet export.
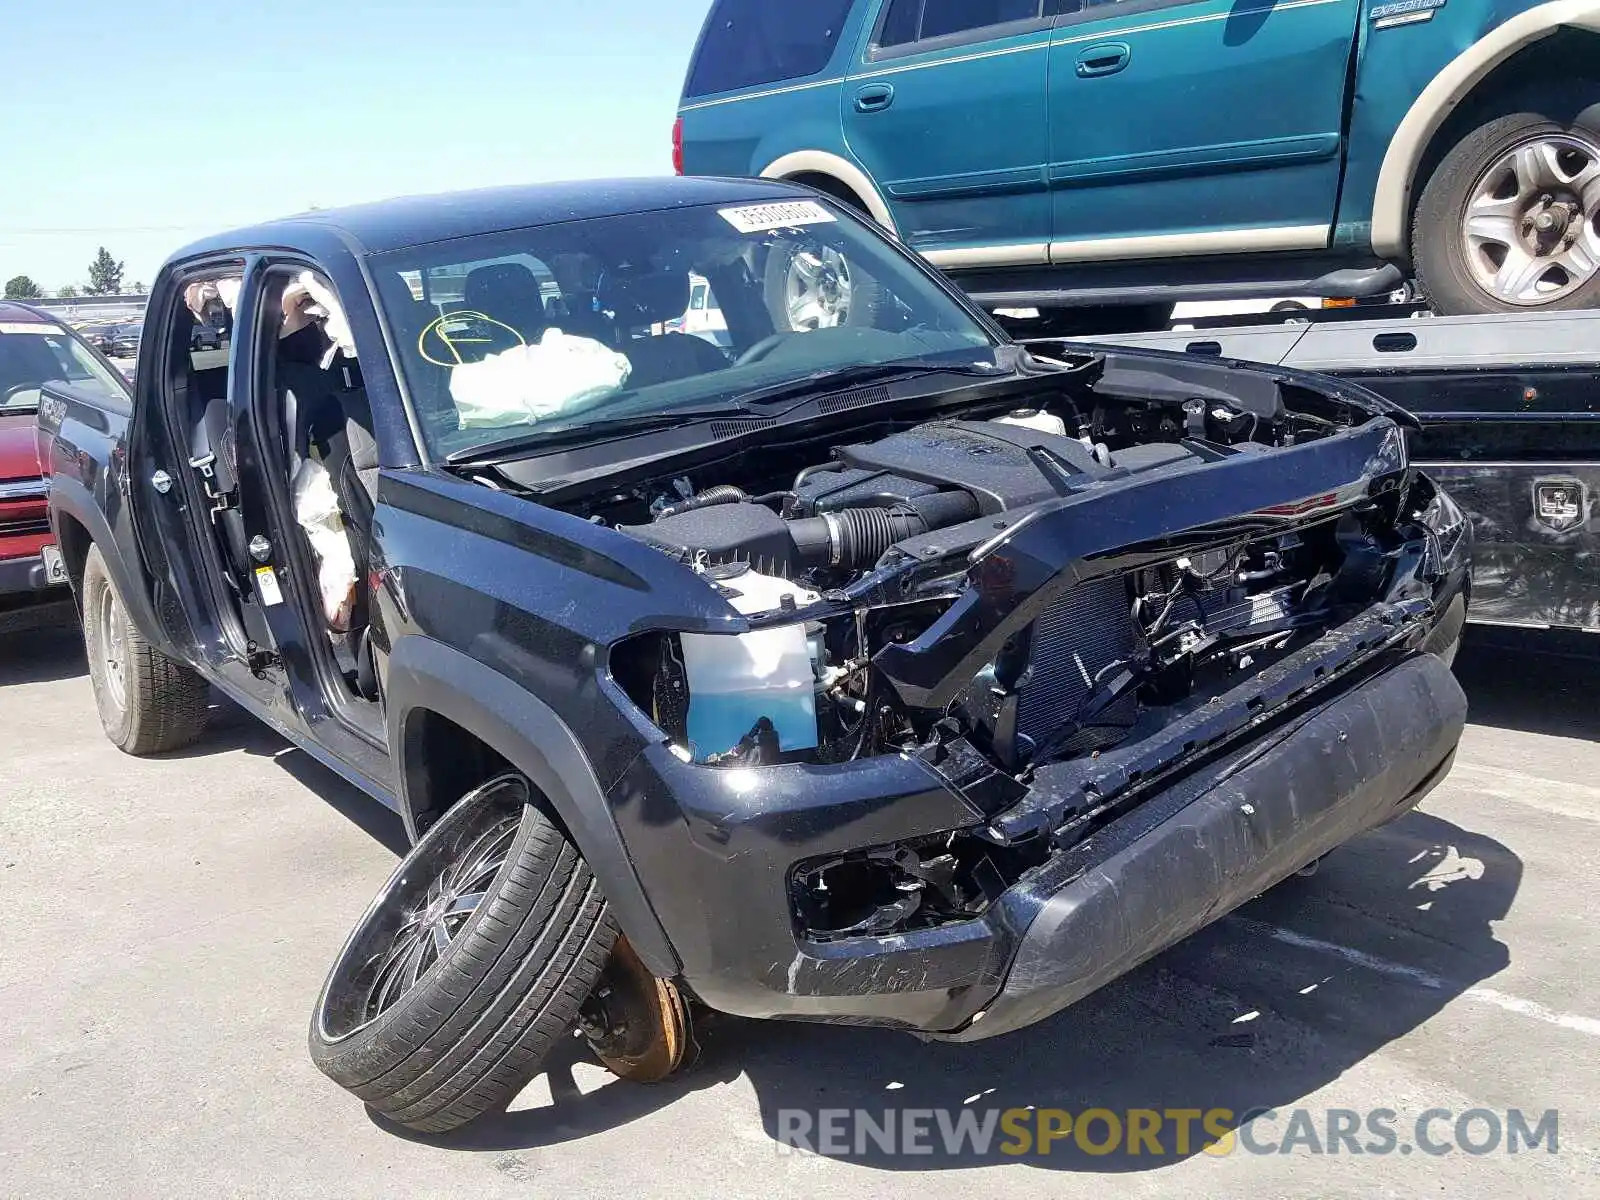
77	366
909	21
750	43
33	354
1067	8
202	332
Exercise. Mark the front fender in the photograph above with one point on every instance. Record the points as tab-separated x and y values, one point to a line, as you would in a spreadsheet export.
425	674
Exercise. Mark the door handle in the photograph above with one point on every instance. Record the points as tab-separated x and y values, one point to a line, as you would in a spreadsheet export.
1105	59
875	97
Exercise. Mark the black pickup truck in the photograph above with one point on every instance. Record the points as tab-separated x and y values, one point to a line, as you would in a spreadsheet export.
865	668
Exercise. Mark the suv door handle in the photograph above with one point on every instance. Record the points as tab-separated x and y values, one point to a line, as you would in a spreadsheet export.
875	97
1105	59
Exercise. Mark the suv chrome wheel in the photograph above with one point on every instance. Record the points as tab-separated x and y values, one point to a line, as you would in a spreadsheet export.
1531	225
436	917
817	290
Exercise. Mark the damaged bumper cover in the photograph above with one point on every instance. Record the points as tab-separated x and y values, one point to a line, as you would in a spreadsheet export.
1215	809
1219	838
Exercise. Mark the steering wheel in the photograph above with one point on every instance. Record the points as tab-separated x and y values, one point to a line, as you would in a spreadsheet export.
14	390
763	348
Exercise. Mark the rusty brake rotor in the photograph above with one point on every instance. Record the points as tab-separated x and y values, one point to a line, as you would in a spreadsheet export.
637	1025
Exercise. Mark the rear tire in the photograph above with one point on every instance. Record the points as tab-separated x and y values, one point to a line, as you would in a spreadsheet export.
148	703
806	290
1472	268
492	987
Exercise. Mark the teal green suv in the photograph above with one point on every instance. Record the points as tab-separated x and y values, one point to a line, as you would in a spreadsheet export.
1070	153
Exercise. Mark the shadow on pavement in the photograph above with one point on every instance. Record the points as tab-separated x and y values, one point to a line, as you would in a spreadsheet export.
231	728
1532	681
1255	1012
41	645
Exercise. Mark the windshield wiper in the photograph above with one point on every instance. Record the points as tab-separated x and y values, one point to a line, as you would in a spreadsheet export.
590	431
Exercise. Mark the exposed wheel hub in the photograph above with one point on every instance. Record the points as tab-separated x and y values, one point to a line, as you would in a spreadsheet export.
1531	225
637	1025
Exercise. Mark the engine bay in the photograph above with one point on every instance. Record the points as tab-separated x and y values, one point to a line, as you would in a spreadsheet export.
840	517
849	561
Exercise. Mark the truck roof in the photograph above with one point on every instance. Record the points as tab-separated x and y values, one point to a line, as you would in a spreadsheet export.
21	314
416	220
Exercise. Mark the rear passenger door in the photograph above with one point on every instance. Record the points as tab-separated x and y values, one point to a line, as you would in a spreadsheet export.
1197	126
945	106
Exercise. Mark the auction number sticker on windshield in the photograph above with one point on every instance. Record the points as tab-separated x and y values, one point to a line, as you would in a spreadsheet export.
759	218
28	327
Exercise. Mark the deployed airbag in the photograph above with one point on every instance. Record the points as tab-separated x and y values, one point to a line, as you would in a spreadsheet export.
531	383
316	508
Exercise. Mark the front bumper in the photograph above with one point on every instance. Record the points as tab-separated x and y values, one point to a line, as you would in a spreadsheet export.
24	576
714	849
1221	837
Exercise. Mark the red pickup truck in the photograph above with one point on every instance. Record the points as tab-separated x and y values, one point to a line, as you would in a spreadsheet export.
35	349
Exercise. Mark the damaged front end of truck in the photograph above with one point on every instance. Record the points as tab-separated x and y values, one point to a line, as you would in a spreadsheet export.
1005	710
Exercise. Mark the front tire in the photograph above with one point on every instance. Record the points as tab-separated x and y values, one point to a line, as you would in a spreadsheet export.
148	703
1510	219
474	958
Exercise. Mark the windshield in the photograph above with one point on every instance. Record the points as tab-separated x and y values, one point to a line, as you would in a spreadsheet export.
33	354
647	314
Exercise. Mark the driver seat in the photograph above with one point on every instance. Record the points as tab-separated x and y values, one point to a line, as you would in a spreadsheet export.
510	293
646	298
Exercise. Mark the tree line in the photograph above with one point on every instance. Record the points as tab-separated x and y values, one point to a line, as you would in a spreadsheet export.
105	279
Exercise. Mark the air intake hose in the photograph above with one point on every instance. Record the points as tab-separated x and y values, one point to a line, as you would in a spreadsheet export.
723	493
855	538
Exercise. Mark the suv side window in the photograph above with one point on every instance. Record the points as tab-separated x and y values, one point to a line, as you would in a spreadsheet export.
910	21
750	43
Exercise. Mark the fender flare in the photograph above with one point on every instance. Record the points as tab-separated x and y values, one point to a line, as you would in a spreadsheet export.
820	162
424	673
1391	203
69	497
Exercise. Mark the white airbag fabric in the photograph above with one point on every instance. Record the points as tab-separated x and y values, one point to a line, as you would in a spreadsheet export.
532	383
308	299
316	508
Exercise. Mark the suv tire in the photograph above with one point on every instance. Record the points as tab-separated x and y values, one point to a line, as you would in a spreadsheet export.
471	962
824	286
148	703
1462	269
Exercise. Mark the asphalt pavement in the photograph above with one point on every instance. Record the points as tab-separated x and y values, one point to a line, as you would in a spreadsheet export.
168	922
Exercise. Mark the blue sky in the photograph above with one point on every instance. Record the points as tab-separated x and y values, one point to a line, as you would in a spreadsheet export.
142	124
